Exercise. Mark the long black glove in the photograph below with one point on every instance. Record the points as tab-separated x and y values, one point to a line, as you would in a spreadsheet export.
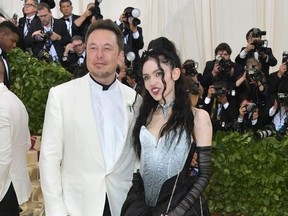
204	164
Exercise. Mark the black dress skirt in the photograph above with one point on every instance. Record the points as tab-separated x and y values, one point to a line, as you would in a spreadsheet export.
135	204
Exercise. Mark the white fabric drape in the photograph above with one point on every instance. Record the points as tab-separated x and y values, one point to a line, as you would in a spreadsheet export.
196	26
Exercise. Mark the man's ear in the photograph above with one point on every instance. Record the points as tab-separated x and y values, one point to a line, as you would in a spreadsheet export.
176	72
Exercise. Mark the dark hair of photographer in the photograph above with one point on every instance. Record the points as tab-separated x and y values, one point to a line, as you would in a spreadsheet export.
189	68
221	68
195	90
257	48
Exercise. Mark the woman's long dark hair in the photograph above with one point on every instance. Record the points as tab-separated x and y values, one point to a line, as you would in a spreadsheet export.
163	50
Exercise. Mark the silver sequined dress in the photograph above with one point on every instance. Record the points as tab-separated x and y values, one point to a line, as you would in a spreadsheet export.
160	160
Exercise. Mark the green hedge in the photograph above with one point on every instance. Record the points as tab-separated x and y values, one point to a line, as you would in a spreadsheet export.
31	80
249	177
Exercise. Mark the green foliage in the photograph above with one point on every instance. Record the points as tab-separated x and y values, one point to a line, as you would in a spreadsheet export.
249	177
31	80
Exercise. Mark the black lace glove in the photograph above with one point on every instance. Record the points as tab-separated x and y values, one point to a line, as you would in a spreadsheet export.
204	164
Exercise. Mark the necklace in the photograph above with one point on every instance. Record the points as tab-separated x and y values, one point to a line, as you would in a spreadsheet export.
165	107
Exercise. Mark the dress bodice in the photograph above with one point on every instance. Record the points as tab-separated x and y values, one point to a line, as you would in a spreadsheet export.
161	159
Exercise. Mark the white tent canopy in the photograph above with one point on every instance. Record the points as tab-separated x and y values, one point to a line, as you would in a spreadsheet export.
196	26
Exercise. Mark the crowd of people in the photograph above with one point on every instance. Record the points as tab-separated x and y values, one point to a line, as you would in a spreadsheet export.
129	117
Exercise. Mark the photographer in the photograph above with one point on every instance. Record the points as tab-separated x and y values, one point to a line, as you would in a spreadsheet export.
252	84
221	68
90	15
257	48
133	36
47	36
220	105
192	82
74	55
248	116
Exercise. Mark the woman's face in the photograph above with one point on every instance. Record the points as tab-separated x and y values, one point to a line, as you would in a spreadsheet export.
152	76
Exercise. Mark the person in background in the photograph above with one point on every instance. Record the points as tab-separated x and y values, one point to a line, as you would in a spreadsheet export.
24	23
258	49
47	36
133	36
15	141
9	36
75	54
86	158
167	133
66	9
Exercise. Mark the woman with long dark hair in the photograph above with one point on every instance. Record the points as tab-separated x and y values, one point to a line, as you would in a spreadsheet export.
167	133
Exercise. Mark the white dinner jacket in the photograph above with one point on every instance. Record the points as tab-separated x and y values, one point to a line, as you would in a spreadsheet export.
15	141
74	178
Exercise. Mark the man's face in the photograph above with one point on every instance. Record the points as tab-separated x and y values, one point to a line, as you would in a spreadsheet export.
103	55
79	47
45	16
66	9
223	54
8	40
29	8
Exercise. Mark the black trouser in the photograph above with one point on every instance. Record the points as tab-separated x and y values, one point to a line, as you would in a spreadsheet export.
9	205
106	211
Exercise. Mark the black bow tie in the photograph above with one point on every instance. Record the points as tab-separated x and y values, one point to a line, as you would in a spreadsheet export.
67	19
81	56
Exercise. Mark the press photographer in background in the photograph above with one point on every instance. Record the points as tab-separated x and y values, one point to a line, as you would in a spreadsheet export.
193	85
258	49
133	36
278	115
221	106
90	15
221	68
47	36
252	86
248	116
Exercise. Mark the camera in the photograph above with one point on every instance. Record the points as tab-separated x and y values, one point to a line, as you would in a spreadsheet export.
44	53
225	66
254	74
251	107
131	15
269	131
258	33
190	66
282	98
219	91
95	10
285	57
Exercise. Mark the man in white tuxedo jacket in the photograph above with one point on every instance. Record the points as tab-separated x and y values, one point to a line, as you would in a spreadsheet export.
86	158
15	186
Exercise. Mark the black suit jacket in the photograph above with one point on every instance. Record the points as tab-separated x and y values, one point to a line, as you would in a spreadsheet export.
132	44
75	30
6	73
272	61
59	27
71	64
21	25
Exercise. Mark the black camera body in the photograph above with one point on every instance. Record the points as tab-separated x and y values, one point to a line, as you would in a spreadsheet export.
96	11
285	57
190	67
258	33
251	107
254	74
225	66
282	98
219	91
128	13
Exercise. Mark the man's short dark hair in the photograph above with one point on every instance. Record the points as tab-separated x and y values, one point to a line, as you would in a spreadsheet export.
109	25
223	47
43	5
77	37
9	26
64	1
